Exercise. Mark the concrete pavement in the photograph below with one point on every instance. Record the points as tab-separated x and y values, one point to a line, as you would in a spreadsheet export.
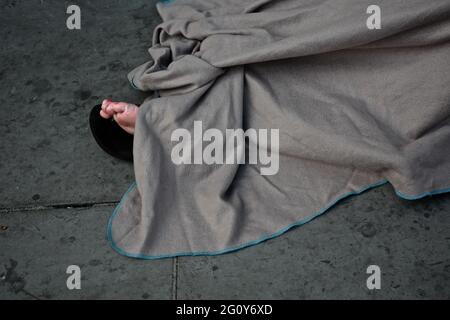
59	188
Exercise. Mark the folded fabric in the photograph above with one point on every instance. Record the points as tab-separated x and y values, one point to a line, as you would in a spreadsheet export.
269	112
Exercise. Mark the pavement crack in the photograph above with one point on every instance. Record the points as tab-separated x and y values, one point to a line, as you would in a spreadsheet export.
69	205
175	278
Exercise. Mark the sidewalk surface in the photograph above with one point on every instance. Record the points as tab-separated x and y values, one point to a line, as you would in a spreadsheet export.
58	188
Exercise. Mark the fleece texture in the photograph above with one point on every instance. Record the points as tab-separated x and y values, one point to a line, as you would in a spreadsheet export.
354	108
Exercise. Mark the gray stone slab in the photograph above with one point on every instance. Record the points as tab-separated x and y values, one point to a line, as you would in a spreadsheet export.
38	246
50	77
328	257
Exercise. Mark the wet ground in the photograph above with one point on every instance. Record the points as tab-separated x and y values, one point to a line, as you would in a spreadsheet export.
58	188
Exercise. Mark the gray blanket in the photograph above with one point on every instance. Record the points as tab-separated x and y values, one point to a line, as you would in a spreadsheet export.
269	112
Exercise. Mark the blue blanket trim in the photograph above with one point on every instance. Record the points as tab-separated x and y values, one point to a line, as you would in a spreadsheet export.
424	194
264	238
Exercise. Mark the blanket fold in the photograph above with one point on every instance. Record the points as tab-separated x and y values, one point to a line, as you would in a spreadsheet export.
269	112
